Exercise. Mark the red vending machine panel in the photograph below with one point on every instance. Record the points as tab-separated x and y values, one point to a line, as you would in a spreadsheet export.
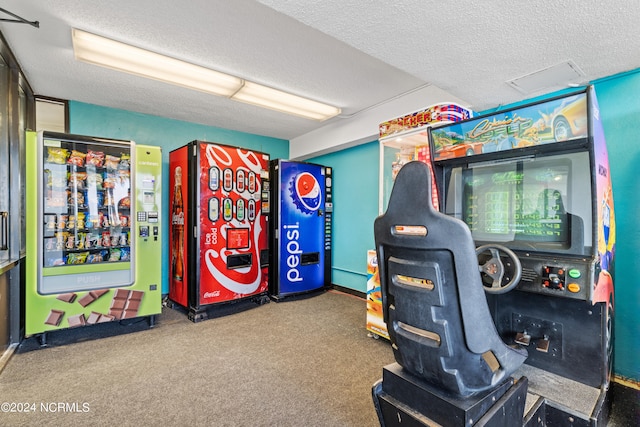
178	203
226	255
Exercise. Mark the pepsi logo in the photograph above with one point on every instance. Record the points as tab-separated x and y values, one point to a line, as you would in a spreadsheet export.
306	193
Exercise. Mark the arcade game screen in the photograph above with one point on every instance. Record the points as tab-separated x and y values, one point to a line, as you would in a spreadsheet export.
527	202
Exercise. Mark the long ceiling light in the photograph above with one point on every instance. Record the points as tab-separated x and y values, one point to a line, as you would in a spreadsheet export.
267	97
109	53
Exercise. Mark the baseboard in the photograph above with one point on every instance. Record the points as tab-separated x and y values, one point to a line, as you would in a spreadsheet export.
627	382
4	359
349	291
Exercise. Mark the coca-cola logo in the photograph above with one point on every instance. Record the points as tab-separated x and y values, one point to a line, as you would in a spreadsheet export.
177	219
211	294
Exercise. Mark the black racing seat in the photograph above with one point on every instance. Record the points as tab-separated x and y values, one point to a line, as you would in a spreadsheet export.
433	300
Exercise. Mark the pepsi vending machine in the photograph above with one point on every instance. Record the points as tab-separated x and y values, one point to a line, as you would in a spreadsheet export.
219	209
300	237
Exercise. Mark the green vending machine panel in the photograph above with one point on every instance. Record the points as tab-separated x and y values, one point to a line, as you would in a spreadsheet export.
93	218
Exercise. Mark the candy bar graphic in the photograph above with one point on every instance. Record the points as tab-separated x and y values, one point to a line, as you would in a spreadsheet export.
105	318
70	297
125	304
77	320
54	318
91	297
93	318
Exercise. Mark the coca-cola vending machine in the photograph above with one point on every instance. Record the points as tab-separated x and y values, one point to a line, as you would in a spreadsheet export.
219	212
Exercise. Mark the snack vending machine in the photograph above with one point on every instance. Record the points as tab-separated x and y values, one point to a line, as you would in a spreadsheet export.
300	234
93	218
219	222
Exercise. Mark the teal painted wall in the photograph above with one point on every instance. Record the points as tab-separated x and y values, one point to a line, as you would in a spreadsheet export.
355	199
356	191
619	100
94	120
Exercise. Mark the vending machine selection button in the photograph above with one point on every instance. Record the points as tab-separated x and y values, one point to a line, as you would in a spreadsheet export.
153	216
574	273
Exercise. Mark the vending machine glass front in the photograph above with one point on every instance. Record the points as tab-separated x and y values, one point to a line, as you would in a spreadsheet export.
85	210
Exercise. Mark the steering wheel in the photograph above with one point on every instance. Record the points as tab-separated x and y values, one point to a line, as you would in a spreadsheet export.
494	269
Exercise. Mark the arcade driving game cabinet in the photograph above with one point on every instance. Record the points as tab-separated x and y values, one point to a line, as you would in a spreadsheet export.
534	189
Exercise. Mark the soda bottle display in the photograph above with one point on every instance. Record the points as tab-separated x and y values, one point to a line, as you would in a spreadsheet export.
214	209
177	229
227	180
214	178
252	182
240	181
227	209
252	209
240	209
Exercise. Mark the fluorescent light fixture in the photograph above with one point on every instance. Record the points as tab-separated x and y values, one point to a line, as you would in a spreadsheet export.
109	53
267	97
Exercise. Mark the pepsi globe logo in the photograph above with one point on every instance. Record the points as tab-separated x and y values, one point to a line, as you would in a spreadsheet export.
305	192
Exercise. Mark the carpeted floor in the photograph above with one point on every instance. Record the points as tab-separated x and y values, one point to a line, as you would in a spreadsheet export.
303	362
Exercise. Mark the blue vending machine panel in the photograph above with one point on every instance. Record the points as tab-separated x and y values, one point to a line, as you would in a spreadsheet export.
301	228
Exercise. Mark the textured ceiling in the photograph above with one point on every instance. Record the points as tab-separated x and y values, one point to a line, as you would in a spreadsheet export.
348	53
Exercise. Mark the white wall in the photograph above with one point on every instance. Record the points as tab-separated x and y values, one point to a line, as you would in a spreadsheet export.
362	126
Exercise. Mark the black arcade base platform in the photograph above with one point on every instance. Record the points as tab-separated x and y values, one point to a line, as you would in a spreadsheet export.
554	400
402	399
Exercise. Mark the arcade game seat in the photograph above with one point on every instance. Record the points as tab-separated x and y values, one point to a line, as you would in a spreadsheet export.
452	369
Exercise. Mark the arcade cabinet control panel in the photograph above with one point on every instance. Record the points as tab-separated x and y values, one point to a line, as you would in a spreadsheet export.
559	277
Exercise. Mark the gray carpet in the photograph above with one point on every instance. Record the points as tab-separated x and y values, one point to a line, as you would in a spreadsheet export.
306	362
301	362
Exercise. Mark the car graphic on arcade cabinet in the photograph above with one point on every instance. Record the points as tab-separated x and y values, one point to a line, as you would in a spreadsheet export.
505	142
568	121
453	145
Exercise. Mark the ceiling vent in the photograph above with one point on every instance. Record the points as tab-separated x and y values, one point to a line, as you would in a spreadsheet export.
555	77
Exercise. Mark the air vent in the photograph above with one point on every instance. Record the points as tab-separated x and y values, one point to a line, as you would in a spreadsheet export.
552	78
528	275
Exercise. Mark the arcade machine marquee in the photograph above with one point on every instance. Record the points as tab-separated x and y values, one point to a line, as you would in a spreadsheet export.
534	181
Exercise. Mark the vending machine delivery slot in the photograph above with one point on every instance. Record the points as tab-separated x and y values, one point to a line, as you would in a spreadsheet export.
310	258
239	261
